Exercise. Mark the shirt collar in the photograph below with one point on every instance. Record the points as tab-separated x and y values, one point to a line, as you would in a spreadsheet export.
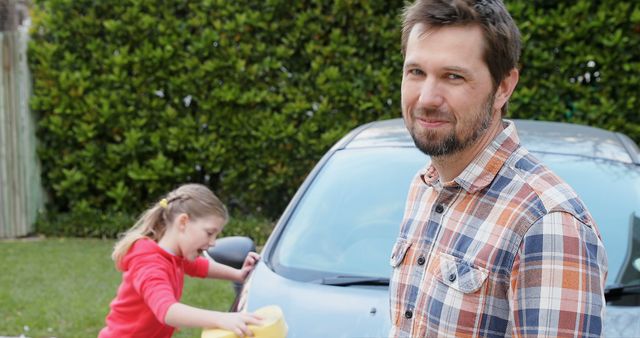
485	166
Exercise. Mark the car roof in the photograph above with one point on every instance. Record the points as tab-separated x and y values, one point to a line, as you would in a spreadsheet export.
537	136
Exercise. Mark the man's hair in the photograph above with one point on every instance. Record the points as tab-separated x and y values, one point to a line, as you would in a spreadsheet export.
501	35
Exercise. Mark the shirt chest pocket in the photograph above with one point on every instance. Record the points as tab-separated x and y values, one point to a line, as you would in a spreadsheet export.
459	274
457	288
398	252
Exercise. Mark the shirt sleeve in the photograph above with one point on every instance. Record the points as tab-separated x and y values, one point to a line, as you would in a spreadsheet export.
152	282
557	282
197	268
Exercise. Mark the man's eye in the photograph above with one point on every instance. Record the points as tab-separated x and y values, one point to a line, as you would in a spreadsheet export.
451	76
416	72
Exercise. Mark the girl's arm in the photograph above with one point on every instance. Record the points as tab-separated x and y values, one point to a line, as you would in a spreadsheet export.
181	315
221	271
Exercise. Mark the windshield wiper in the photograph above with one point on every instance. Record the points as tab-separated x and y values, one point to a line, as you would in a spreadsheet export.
616	291
352	280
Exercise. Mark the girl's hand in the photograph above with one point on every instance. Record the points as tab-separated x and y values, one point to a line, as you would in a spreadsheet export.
237	322
249	264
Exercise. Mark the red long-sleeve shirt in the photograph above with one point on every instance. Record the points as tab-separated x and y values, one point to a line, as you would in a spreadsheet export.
152	281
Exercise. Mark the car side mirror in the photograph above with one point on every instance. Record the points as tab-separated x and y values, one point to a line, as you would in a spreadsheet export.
232	251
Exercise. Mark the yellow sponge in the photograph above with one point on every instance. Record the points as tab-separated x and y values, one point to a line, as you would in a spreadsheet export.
273	325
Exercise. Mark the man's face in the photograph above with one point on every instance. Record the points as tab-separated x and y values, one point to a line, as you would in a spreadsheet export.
447	91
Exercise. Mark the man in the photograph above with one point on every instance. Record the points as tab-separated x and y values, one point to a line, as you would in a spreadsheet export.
492	242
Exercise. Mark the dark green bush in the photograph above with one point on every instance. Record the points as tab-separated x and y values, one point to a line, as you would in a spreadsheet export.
84	223
138	96
258	228
95	223
581	63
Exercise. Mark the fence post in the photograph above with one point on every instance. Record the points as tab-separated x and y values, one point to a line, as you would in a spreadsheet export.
8	15
20	189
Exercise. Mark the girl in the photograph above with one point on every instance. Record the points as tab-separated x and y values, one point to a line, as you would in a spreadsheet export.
163	245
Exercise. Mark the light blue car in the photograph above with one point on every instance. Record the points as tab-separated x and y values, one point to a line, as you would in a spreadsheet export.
326	264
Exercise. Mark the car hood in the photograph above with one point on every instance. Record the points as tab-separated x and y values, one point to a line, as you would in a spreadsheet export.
622	321
319	311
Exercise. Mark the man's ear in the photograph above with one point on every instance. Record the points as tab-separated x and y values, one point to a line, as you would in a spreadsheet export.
505	89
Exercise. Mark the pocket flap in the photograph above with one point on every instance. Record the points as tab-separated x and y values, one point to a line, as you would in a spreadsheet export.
459	274
398	252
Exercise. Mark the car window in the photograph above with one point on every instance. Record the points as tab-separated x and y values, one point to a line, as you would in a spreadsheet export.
349	217
611	191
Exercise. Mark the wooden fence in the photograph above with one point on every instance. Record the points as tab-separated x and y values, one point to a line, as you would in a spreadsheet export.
21	195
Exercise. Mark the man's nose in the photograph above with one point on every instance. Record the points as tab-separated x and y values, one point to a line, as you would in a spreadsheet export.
431	95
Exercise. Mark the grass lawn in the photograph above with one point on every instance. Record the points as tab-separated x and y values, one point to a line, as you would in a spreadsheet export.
62	288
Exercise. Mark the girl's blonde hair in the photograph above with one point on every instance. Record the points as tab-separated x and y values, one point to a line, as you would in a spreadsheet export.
195	200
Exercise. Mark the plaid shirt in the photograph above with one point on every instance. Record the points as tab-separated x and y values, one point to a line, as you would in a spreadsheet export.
506	249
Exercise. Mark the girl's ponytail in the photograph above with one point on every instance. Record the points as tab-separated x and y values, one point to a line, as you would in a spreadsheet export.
150	225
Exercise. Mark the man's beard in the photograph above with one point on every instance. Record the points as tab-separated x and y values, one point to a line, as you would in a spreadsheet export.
451	143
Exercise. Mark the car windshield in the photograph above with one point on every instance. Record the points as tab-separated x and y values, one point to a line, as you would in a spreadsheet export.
611	191
349	217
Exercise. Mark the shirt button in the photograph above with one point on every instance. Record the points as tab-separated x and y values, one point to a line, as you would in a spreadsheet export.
408	314
421	260
439	208
452	277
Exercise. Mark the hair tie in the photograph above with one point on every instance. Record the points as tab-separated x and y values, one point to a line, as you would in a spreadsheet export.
163	203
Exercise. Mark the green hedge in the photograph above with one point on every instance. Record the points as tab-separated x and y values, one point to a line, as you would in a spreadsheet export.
138	96
96	223
581	63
